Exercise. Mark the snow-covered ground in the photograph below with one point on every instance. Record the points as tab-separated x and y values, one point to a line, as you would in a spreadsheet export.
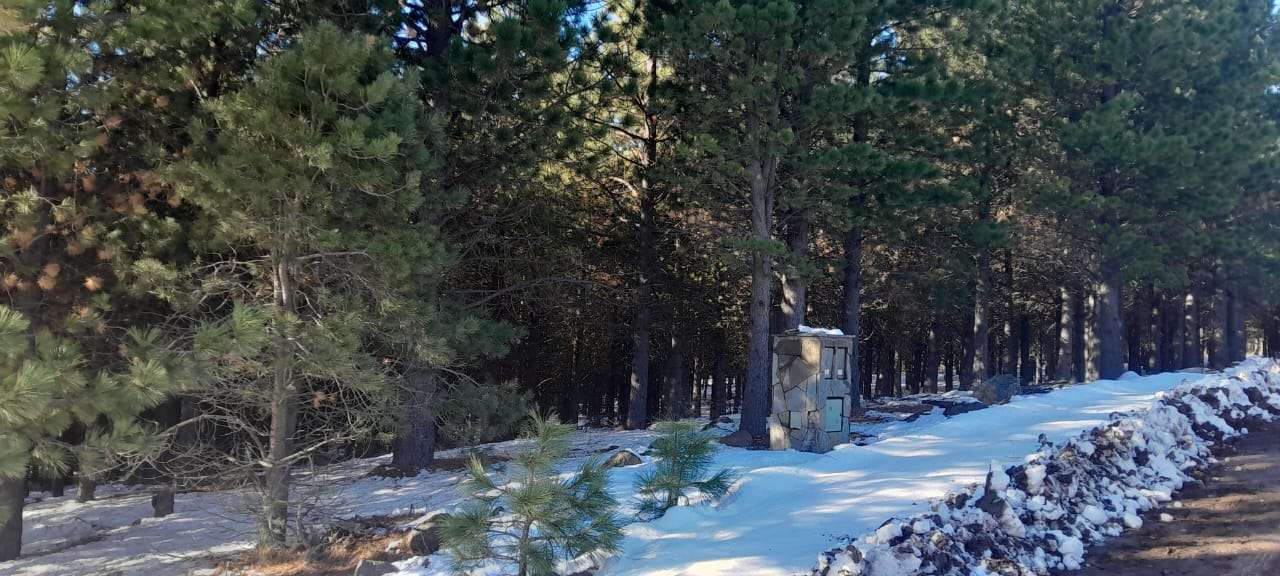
787	507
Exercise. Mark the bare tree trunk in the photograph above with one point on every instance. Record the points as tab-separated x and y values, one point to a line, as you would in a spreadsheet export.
949	364
1236	337
1079	324
675	380
638	406
1110	329
933	354
1027	371
1191	356
415	446
1012	332
756	390
86	489
794	286
1221	354
13	493
967	352
852	309
718	377
275	508
981	323
1063	369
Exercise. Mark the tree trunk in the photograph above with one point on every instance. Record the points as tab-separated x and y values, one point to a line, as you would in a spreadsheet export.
275	507
1079	324
1027	370
1063	369
981	323
1236	337
717	379
794	286
949	364
1221	354
86	490
756	390
162	501
415	446
967	352
933	354
13	493
675	381
852	305
1191	356
1110	329
638	406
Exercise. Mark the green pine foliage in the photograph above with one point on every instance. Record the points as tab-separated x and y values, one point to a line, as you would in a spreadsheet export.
46	386
534	516
307	181
684	454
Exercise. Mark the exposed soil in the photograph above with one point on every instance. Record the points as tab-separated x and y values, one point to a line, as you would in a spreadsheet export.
1229	526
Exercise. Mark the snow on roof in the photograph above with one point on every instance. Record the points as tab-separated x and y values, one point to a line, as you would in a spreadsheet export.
824	331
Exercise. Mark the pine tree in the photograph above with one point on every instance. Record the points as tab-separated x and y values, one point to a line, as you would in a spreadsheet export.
683	453
46	387
533	518
307	180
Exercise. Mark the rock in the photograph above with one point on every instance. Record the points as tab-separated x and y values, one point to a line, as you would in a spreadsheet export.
424	538
739	439
997	389
374	568
779	435
951	408
622	458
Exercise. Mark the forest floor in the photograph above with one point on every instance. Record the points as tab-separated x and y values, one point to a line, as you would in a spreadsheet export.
1228	526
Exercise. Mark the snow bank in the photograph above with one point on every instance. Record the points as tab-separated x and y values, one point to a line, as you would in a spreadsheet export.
1038	516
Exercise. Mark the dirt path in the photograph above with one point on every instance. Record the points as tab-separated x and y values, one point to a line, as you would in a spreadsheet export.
1229	527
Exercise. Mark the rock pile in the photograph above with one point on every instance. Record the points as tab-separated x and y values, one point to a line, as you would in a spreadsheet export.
1036	517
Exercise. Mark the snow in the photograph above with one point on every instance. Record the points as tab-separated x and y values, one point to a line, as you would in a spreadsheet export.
786	507
790	502
1089	488
823	331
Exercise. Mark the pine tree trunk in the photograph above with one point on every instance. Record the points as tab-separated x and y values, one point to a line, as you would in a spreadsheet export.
415	446
851	312
1221	354
1236	337
949	364
86	489
717	379
967	352
1110	329
1063	369
933	354
1026	370
13	494
275	507
982	368
794	287
756	390
867	366
675	381
1079	324
1191	356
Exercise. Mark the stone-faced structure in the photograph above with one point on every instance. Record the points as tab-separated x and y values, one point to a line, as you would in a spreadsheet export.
811	396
